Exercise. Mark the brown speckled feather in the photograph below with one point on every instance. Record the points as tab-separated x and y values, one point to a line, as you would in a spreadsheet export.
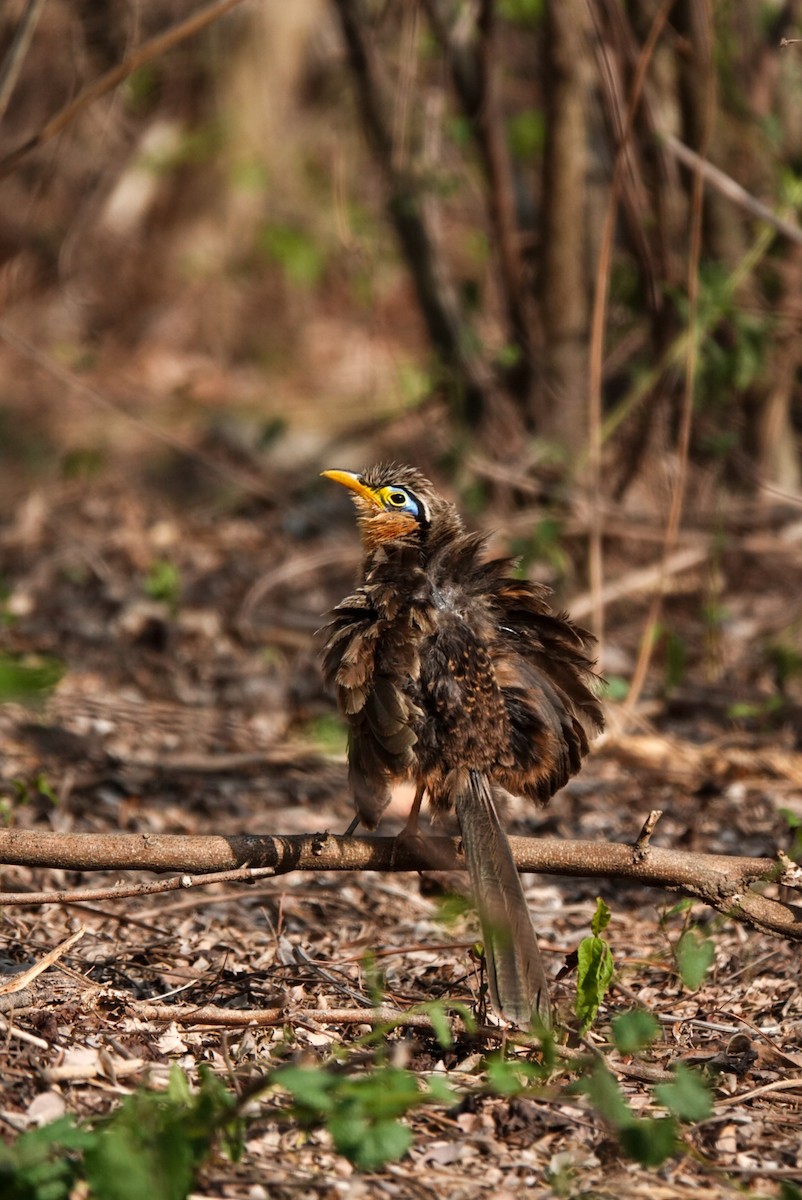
456	675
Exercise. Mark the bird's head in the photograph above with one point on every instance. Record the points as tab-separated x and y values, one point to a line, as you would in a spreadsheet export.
395	504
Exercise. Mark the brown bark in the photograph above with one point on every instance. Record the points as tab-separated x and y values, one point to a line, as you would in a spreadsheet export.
446	327
564	282
474	67
722	881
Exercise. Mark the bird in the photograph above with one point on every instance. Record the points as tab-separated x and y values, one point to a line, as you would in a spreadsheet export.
454	674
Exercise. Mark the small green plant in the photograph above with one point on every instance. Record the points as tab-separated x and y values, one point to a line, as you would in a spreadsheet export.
295	251
544	545
526	132
28	678
150	1146
794	824
759	711
786	663
694	955
83	463
25	790
634	1031
327	731
616	688
528	13
362	1113
649	1140
673	657
163	582
594	968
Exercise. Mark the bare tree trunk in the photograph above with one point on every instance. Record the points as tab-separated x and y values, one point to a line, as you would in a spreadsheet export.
564	284
446	325
474	64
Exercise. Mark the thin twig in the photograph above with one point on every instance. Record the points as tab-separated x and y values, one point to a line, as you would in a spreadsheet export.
728	187
9	74
437	298
645	836
596	352
23	1035
473	68
126	891
686	415
21	979
155	48
776	1085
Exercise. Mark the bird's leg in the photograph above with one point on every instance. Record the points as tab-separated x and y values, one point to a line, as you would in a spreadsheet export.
410	830
352	827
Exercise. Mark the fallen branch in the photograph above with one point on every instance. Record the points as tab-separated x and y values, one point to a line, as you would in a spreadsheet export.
243	1018
723	881
21	979
122	891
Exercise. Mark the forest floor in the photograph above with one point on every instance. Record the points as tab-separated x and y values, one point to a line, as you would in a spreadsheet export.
184	620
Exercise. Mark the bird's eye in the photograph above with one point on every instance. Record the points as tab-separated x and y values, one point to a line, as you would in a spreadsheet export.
398	500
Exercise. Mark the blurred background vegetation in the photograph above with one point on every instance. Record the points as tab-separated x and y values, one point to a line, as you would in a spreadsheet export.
546	248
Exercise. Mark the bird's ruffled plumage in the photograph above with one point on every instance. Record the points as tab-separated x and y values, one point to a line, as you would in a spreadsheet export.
445	663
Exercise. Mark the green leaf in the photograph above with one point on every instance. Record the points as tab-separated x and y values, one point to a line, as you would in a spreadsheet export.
695	955
28	679
361	1112
150	1146
451	908
370	1146
507	1077
129	1161
440	1091
617	688
522	12
163	582
675	657
601	917
295	251
651	1141
688	1097
42	1163
312	1089
153	1144
606	1096
526	131
440	1023
594	972
634	1031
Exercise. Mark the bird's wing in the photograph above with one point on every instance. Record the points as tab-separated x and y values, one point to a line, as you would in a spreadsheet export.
380	714
543	664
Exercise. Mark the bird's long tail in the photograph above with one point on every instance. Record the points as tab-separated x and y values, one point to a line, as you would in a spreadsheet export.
518	983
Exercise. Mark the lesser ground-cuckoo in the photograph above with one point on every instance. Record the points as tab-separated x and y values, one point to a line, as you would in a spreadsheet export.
460	677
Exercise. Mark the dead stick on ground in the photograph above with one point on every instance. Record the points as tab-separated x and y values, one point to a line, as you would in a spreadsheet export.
122	891
21	979
385	1014
723	881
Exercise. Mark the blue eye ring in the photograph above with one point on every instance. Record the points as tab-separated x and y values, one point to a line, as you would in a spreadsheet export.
397	499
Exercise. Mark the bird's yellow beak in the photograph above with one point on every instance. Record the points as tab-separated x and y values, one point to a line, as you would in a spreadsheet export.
352	481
